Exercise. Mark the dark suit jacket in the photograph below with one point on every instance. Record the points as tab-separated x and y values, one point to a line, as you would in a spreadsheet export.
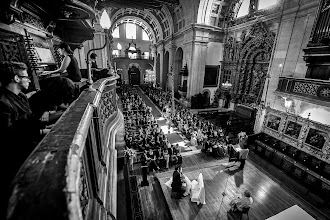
176	184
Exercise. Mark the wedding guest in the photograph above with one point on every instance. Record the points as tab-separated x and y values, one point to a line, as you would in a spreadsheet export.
244	201
167	158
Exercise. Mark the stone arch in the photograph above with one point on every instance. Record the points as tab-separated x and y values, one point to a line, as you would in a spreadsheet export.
178	63
138	21
165	70
158	69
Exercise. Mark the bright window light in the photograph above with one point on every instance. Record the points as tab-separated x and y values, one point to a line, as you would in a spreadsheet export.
130	31
145	36
115	52
115	33
244	9
266	3
146	55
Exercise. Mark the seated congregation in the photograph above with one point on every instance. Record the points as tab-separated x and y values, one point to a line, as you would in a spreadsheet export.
199	131
144	135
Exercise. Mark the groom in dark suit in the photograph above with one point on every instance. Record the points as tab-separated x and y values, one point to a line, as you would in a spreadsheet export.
177	186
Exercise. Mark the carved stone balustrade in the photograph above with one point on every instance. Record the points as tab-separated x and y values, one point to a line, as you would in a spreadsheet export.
72	173
307	88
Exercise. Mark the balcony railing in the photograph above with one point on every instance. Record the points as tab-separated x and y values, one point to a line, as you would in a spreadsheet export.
315	89
72	173
136	57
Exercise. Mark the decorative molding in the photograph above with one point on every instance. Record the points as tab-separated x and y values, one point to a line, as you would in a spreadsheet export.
248	59
33	20
107	105
301	142
306	88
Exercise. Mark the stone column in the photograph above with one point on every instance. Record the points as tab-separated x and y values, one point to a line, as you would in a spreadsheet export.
160	51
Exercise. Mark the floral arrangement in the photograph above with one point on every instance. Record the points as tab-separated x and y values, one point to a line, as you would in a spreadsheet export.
129	152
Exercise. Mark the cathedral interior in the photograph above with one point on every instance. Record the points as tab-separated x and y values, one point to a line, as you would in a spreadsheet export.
261	67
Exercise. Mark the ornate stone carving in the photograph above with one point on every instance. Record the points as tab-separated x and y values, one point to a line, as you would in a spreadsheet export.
323	92
83	192
107	105
250	56
12	48
306	88
32	20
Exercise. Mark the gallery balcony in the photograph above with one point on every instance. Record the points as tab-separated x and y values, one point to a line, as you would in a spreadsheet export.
72	173
312	89
137	57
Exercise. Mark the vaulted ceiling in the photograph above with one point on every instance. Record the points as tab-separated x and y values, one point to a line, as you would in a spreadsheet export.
139	4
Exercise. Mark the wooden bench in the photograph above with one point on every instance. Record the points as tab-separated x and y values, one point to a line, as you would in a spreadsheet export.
287	164
277	158
312	180
298	170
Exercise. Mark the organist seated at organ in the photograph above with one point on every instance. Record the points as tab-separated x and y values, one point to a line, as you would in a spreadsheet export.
69	66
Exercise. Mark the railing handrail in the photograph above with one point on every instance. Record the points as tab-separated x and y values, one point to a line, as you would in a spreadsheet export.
305	79
51	174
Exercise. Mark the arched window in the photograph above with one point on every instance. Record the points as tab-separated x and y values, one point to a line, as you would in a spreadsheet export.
266	3
244	9
130	31
145	36
115	33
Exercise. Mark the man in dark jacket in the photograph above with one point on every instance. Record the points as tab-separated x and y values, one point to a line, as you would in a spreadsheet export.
18	127
176	185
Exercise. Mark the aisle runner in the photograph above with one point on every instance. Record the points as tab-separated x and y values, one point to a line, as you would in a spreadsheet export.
173	136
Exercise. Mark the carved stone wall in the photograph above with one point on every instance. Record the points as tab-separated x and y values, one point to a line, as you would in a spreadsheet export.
248	60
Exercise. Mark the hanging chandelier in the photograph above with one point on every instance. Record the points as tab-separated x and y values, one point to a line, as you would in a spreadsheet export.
226	86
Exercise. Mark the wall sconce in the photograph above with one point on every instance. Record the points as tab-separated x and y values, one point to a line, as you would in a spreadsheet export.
105	24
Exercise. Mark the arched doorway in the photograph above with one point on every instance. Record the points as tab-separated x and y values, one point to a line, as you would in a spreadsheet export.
177	68
158	69
134	72
165	70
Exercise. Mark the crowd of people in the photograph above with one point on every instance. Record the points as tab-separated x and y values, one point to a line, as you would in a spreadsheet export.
144	135
200	131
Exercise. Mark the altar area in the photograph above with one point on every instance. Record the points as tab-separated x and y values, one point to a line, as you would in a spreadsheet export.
270	198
